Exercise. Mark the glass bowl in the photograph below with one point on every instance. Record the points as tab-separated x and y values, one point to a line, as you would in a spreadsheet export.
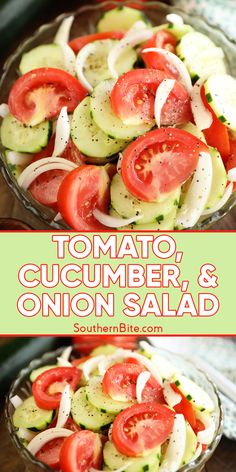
85	22
22	387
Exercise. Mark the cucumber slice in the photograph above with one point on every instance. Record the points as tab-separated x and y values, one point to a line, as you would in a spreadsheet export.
19	137
96	68
14	169
219	178
200	55
29	415
177	31
105	118
128	206
90	139
120	19
192	129
46	55
195	394
100	400
220	92
106	349
114	460
35	373
190	445
85	414
165	224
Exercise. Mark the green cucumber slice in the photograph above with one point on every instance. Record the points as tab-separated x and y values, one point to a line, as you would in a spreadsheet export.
120	19
19	137
200	55
167	223
220	92
96	68
89	138
29	415
105	118
178	31
100	400
190	445
106	350
85	414
219	178
35	373
195	394
114	460
46	55
128	206
192	129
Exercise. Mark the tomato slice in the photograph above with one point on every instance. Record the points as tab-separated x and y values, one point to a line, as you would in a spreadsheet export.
142	427
185	408
50	453
133	98
159	162
83	190
40	94
78	43
231	162
217	135
119	382
165	40
80	452
47	388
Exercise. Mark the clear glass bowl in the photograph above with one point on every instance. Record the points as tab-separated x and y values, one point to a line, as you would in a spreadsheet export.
22	387
85	22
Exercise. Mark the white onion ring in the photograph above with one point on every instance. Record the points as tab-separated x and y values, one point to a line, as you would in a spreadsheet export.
176	20
202	116
62	133
91	364
69	57
4	110
19	158
232	175
16	401
142	380
63	32
178	64
26	434
207	435
43	165
48	435
221	202
171	397
176	446
64	408
162	94
66	353
82	56
113	222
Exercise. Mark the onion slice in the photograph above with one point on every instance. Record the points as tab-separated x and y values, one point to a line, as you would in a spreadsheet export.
108	360
221	202
166	369
119	163
4	110
197	453
178	64
198	193
202	116
63	33
48	435
63	362
58	217
207	435
65	407
171	397
142	380
62	133
69	57
66	353
113	222
162	94
16	401
232	175
132	38
19	158
176	20
43	165
176	446
90	365
26	434
82	56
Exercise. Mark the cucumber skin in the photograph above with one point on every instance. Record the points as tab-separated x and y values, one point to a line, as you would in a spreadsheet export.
8	133
25	416
86	415
114	17
48	49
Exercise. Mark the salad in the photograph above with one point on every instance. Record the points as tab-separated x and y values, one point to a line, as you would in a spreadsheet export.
114	410
131	127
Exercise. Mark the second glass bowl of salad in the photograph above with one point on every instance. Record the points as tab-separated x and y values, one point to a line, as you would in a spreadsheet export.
22	388
85	22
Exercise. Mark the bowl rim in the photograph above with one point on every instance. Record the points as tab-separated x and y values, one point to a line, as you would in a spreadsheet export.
37	362
46	215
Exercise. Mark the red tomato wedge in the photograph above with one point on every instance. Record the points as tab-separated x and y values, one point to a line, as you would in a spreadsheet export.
142	427
185	408
78	43
165	40
50	453
231	162
133	98
119	382
159	162
47	388
80	452
217	135
41	93
83	190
